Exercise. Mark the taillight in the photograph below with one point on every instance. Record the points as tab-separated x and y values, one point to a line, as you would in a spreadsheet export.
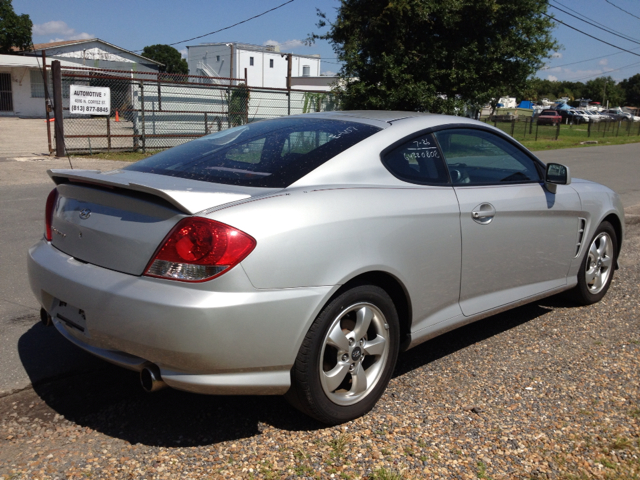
48	212
199	249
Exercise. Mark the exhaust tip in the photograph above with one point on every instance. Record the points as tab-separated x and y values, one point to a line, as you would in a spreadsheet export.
45	318
150	379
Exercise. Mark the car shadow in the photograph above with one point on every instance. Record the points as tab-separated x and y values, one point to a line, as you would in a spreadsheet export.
109	399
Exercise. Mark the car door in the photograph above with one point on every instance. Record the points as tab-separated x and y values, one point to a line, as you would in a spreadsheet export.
427	242
518	238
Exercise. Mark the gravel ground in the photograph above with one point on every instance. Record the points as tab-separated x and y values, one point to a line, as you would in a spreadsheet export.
548	390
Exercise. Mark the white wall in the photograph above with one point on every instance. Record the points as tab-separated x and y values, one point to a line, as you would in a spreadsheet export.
203	60
23	104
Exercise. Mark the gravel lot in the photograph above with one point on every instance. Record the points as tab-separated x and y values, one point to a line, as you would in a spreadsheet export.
548	390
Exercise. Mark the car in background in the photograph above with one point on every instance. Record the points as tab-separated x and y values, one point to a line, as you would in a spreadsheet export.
594	117
616	114
575	116
549	117
300	255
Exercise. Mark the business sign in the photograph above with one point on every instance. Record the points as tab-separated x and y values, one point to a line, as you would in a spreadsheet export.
90	100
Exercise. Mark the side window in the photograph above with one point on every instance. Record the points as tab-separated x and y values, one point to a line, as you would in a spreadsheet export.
247	153
417	161
477	157
300	143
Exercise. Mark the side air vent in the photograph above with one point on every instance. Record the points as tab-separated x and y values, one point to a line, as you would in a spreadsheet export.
582	225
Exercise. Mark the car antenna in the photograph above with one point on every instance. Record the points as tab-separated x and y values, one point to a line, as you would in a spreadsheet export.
46	94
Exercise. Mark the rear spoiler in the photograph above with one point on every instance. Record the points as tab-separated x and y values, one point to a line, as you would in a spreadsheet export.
188	196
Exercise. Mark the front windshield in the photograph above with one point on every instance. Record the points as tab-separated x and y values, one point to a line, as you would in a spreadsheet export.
272	153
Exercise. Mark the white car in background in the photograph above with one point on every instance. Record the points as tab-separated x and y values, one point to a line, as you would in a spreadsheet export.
594	116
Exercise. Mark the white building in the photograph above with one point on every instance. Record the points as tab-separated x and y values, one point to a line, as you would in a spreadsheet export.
21	83
266	66
95	53
22	87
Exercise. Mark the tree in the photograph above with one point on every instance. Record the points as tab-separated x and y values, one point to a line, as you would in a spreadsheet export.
15	30
168	56
631	87
605	89
436	54
239	105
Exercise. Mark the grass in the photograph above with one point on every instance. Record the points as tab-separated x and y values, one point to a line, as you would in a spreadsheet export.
384	474
119	156
571	136
482	471
338	445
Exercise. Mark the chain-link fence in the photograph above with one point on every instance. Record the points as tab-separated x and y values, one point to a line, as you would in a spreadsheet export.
152	111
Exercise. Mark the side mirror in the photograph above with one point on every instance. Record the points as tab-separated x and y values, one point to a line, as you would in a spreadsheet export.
556	174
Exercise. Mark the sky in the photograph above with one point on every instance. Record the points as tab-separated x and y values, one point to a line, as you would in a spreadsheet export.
134	24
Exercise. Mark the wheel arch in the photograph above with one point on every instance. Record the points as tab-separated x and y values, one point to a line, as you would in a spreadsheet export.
615	222
395	289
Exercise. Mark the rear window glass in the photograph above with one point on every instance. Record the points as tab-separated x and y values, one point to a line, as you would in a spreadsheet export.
272	153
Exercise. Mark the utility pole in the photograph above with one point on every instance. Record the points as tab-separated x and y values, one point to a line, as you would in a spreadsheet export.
289	62
231	64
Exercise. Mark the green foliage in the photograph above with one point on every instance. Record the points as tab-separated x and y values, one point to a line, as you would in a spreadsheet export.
436	55
605	89
601	89
167	55
239	105
15	30
631	88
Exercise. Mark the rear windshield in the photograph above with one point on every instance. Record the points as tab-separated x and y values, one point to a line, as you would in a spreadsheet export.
272	153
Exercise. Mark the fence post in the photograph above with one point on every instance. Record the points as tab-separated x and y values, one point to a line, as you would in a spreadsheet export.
57	107
589	130
536	131
228	107
144	140
206	124
525	129
47	100
109	132
618	129
513	126
557	130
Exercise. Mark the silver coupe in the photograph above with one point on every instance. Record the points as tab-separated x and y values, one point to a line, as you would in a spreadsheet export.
300	255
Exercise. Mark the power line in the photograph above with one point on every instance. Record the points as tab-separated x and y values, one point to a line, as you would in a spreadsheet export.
603	73
597	26
595	21
547	67
230	26
588	35
614	5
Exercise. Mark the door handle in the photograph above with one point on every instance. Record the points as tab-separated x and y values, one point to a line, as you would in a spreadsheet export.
483	213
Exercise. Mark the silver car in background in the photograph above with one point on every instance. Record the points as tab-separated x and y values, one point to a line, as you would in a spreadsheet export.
300	255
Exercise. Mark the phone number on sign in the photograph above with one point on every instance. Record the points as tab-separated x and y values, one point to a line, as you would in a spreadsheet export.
89	109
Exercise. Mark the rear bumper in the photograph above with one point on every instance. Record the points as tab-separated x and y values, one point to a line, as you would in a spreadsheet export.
222	336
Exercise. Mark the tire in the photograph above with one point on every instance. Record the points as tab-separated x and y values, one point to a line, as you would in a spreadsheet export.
597	267
347	357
